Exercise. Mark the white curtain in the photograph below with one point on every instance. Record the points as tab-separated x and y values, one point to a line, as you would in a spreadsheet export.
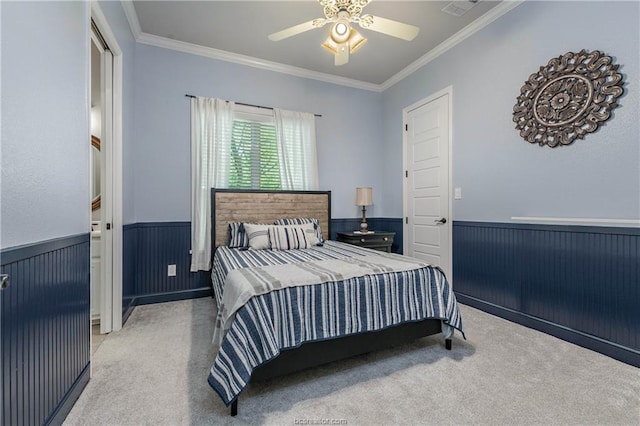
296	139
211	126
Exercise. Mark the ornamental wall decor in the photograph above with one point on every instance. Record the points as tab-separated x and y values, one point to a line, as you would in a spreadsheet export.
566	99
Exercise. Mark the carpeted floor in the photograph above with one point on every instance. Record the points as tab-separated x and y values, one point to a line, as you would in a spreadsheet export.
154	371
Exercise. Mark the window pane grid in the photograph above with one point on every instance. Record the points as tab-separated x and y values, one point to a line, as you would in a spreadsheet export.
254	156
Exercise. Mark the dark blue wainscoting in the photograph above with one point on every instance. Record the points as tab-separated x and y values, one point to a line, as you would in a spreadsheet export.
129	262
379	223
148	249
45	330
576	282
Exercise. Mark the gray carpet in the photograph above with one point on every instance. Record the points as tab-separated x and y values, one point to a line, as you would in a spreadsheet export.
154	372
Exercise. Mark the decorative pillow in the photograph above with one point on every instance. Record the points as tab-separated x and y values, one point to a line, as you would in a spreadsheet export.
288	237
310	232
301	221
258	235
237	235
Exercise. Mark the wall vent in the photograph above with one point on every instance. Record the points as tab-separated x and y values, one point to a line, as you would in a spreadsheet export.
459	7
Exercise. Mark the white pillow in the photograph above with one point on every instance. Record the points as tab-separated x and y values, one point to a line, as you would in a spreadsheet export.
258	235
288	237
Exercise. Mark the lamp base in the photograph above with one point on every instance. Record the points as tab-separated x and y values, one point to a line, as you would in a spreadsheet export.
363	227
363	223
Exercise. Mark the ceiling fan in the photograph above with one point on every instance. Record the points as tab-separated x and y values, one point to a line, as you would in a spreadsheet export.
343	38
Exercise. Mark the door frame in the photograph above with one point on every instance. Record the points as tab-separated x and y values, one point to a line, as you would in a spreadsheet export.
405	226
114	285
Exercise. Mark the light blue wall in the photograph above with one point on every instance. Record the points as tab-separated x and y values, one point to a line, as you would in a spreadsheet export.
119	25
501	175
44	192
348	134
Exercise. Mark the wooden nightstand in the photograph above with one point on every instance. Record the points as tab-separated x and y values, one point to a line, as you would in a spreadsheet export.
377	240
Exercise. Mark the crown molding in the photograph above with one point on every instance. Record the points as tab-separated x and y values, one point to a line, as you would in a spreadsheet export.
132	17
469	30
209	52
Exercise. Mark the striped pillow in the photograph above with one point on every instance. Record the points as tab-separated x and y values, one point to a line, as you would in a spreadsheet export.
237	235
309	230
303	220
288	237
258	235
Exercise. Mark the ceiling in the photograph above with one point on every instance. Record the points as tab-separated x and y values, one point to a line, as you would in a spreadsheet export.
242	27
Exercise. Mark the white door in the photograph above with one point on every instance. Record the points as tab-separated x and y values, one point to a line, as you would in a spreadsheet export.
106	235
111	164
427	209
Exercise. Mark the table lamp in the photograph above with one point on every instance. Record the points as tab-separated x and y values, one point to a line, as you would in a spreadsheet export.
364	198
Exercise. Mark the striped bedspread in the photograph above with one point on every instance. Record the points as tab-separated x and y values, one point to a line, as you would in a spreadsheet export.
287	317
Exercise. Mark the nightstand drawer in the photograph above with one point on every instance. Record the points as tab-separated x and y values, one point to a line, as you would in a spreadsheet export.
377	240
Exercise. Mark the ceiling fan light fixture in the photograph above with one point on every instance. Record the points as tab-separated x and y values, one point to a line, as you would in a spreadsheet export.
343	40
341	28
354	42
331	45
341	31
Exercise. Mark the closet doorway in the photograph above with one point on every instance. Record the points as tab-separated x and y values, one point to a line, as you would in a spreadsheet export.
106	175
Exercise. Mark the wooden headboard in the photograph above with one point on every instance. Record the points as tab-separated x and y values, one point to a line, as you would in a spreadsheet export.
256	206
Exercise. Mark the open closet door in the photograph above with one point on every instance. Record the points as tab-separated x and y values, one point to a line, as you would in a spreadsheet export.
110	224
106	296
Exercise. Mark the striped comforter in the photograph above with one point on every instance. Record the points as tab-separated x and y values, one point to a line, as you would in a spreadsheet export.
290	316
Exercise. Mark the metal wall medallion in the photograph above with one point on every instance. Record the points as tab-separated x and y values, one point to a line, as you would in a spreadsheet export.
569	97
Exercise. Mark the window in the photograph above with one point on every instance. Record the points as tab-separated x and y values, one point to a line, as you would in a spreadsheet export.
270	150
239	147
254	160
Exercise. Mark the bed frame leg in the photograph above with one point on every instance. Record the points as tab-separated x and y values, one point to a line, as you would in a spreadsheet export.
447	344
234	408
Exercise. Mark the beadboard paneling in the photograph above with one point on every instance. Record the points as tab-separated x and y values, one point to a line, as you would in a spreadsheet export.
129	262
149	248
45	329
583	278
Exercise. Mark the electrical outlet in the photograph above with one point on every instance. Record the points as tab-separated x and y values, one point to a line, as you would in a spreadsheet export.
171	270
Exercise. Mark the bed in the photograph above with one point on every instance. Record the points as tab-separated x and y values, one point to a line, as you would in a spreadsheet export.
281	311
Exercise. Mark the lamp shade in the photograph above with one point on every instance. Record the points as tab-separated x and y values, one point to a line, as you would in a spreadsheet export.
364	196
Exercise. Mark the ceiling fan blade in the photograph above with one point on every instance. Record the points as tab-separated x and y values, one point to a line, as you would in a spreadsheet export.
389	27
342	57
297	29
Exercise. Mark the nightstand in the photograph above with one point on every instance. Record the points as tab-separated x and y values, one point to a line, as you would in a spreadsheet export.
377	240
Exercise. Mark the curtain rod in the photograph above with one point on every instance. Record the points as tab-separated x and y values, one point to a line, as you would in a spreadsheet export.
250	105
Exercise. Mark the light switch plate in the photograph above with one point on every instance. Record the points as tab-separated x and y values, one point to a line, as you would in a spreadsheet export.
171	270
457	194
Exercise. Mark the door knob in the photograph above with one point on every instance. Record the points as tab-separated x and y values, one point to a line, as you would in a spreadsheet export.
441	221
